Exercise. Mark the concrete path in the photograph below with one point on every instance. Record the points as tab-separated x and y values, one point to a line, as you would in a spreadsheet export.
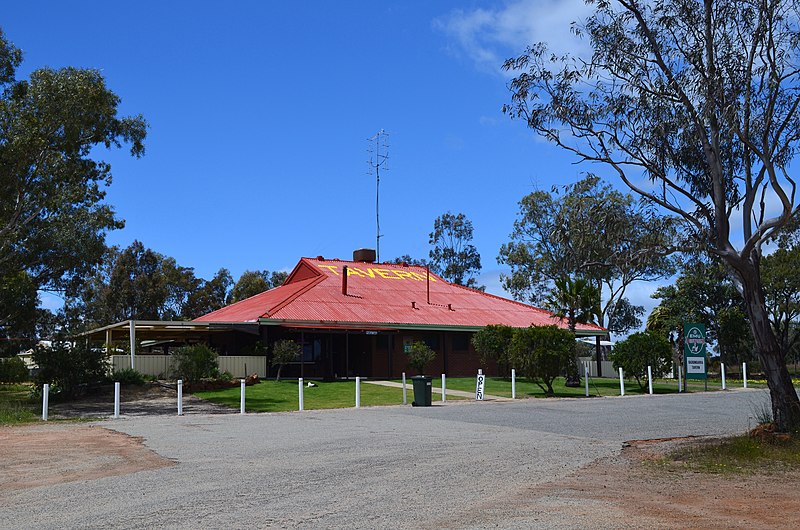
438	390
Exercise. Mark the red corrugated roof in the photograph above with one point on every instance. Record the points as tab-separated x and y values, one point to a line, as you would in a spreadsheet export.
379	294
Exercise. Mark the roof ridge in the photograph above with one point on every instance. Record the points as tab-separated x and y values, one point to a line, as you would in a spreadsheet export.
289	299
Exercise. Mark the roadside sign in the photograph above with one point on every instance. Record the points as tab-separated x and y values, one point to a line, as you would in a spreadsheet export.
694	351
479	387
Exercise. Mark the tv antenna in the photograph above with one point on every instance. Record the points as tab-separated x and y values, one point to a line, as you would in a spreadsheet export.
378	159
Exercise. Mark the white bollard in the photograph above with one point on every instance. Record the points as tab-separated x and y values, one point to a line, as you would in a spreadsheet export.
405	393
116	399
513	384
444	388
744	374
358	392
722	370
650	379
621	383
586	377
241	396
45	401
180	397
300	392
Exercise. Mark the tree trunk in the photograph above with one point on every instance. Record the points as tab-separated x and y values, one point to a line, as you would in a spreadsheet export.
785	404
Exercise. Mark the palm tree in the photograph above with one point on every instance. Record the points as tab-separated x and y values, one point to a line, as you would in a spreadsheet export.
575	300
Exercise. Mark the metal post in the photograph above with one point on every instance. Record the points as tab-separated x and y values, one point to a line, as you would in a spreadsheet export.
300	392
116	399
744	374
444	388
405	395
45	401
680	382
133	344
650	379
621	383
180	397
586	377
513	384
358	392
722	370
241	396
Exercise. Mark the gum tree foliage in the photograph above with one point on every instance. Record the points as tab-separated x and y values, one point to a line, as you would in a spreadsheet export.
251	283
52	215
494	343
284	351
640	350
408	260
694	106
703	293
542	353
141	284
781	278
586	230
452	255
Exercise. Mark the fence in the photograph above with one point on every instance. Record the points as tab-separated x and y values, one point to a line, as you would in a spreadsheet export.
158	365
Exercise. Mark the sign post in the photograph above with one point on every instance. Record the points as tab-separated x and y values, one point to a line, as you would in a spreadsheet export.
694	351
479	386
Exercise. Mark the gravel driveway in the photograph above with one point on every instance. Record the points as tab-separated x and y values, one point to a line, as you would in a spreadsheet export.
449	466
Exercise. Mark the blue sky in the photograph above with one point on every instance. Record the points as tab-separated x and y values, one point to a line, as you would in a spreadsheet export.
259	116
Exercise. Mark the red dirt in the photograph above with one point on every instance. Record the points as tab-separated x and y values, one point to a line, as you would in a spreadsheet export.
29	457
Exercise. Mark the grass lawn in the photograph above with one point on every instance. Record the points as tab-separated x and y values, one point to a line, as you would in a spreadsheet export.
499	386
16	406
272	396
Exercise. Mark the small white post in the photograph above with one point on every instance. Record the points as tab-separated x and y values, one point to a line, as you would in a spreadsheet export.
405	394
45	401
300	392
621	383
444	388
116	399
358	392
132	332
744	374
586	377
722	370
680	380
513	384
241	396
650	378
180	397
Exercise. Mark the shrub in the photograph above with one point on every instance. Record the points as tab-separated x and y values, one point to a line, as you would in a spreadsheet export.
129	376
70	366
493	343
193	363
639	351
542	353
13	370
420	356
284	351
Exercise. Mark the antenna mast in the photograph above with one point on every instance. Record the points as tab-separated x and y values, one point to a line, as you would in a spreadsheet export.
378	159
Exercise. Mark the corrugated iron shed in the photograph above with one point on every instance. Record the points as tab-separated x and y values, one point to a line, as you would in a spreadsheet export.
380	295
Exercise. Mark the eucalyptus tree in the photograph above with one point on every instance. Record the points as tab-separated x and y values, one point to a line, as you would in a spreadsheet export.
694	106
452	254
587	230
52	215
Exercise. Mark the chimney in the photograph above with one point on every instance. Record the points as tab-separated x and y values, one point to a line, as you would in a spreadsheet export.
365	255
344	280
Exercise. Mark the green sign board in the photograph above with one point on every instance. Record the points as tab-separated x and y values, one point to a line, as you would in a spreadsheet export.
694	351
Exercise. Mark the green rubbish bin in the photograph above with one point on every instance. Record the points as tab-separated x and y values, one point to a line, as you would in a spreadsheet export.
422	390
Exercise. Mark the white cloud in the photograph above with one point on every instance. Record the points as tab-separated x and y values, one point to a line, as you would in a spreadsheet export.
489	36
